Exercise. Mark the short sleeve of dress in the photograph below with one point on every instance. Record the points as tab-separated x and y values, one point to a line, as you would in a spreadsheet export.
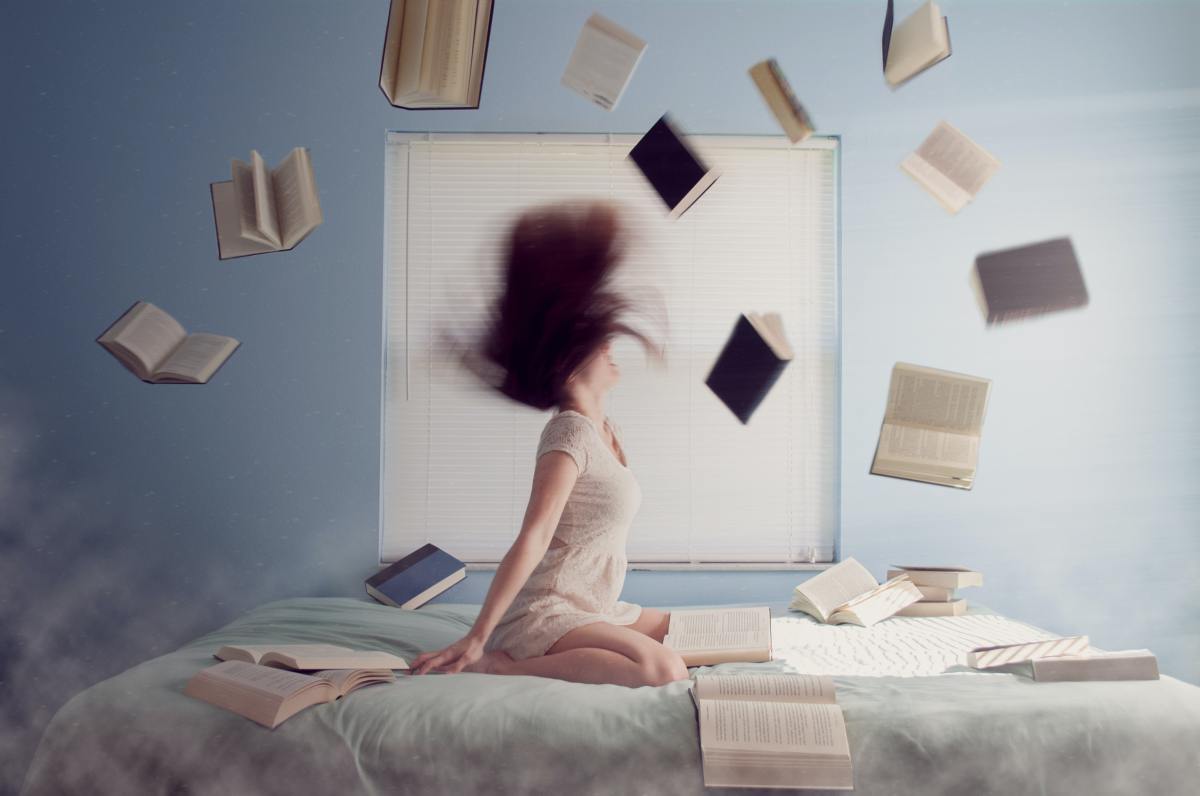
566	433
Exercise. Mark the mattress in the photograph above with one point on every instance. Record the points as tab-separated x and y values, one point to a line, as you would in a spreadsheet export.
917	723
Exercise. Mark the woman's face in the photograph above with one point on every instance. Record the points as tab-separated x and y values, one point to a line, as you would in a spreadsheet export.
599	373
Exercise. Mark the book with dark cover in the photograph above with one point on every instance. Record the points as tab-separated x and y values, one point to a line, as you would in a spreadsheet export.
672	169
417	578
1030	280
750	363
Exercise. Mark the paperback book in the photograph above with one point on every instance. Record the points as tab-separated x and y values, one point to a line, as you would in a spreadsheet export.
708	636
603	61
153	346
847	593
266	210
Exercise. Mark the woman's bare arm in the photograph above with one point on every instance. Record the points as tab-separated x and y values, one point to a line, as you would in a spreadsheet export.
553	479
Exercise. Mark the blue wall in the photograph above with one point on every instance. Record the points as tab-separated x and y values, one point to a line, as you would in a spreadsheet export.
134	517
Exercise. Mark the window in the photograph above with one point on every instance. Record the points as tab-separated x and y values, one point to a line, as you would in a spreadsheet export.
457	460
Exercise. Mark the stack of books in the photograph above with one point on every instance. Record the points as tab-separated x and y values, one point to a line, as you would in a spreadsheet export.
939	589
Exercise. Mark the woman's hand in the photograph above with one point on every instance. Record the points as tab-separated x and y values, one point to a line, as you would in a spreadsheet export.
452	659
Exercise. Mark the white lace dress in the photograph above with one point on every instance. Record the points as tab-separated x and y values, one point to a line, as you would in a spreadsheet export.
579	579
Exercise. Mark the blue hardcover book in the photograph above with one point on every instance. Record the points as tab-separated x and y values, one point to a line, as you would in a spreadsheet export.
417	578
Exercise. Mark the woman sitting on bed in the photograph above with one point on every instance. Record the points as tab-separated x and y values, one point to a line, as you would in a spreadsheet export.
552	609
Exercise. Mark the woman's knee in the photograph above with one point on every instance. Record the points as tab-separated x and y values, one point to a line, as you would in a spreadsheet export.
666	666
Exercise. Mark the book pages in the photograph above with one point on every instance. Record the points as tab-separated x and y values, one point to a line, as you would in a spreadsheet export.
264	201
987	657
148	333
295	197
879	603
916	44
829	590
782	101
767	687
723	628
603	61
197	357
950	166
936	399
794	727
919	444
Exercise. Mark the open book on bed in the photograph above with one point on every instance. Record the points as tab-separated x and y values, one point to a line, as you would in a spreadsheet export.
309	657
708	636
847	593
270	696
772	731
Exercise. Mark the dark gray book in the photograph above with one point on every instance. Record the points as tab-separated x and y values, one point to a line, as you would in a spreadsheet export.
750	363
671	168
1030	280
417	578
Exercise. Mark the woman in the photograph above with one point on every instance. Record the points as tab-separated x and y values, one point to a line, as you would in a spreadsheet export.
552	609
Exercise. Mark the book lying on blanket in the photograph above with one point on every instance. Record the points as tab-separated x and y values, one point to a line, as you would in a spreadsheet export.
1091	666
271	696
155	348
847	593
1001	654
1029	280
708	636
417	578
266	210
950	167
919	42
603	61
672	168
305	657
772	731
752	360
434	52
932	426
777	92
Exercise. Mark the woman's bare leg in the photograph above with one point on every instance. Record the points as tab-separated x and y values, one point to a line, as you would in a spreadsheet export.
653	623
600	653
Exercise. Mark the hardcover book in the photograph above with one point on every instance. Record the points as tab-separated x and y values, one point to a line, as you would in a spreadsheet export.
1030	280
434	52
417	578
751	362
154	347
671	168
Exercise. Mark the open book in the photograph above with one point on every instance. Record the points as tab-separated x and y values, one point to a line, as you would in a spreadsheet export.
271	696
919	42
152	344
1001	654
751	362
847	593
603	61
311	656
772	731
932	426
708	636
266	210
950	167
434	53
777	92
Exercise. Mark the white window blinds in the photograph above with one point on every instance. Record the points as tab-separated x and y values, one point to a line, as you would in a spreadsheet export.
457	461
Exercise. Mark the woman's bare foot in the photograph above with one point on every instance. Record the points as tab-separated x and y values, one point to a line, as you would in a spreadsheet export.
491	663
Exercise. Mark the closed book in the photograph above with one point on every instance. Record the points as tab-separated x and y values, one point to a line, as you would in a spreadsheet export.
945	577
671	168
934	594
924	608
750	363
1030	280
417	578
782	101
1121	665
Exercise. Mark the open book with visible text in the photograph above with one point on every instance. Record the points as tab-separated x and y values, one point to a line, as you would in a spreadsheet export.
305	657
270	696
950	167
772	731
847	593
932	426
708	636
603	61
266	210
155	348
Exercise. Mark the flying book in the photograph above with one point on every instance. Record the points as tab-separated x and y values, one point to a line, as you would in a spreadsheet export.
671	167
603	61
772	731
751	362
417	578
310	657
271	696
1090	666
847	593
932	426
266	210
155	348
949	578
1001	654
1030	280
950	167
708	636
919	42
434	53
774	87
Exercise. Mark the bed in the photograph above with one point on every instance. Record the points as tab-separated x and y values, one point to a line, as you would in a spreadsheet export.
917	723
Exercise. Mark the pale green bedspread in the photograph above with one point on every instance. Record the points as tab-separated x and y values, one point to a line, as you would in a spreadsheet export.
137	733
